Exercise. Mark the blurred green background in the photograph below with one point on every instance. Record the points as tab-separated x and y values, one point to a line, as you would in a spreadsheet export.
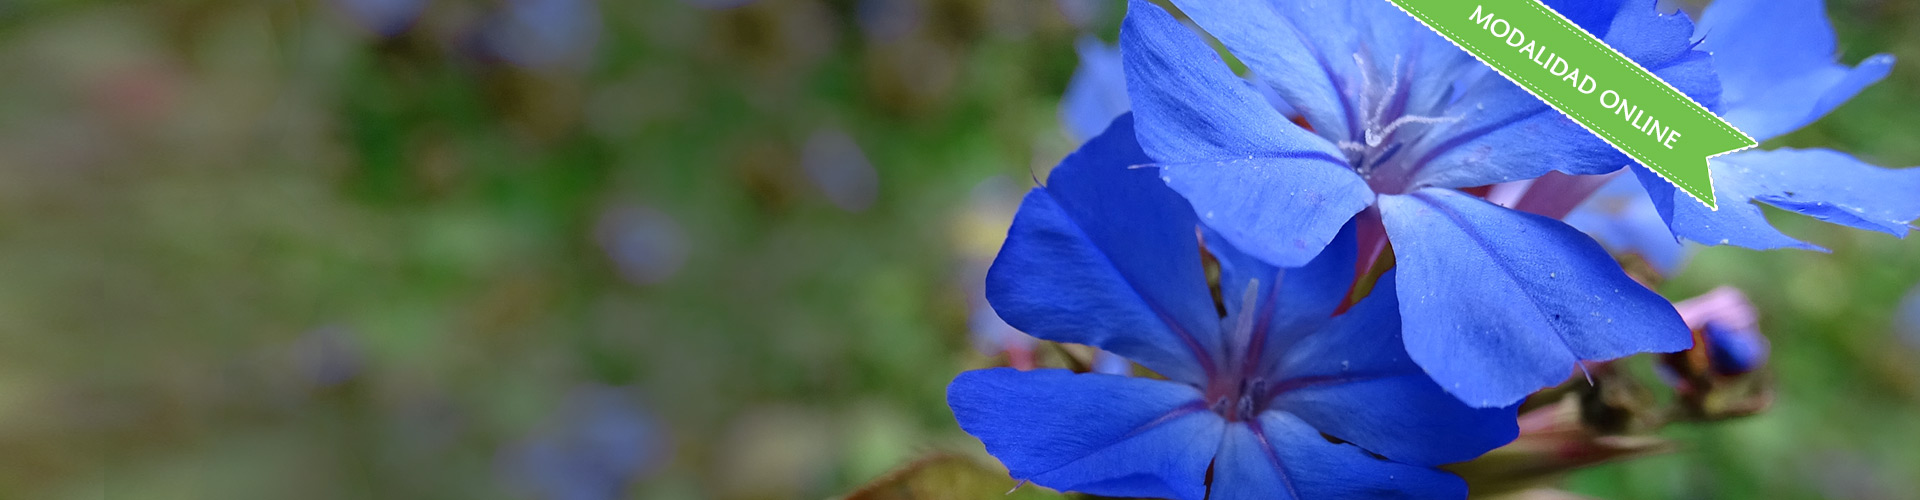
298	249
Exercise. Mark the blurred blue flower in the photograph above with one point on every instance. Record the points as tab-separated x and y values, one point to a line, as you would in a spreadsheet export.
543	34
718	4
991	335
1728	340
1106	255
1734	350
645	244
327	356
889	20
1776	63
841	170
1498	303
1908	324
1084	13
1097	93
593	448
382	17
1621	217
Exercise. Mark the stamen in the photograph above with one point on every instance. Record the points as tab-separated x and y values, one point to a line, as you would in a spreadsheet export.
1366	74
1219	406
1375	140
1393	88
1242	335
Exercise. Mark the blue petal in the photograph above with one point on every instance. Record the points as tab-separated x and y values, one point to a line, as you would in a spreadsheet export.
1736	223
1092	433
1266	185
1272	96
1260	35
1505	134
1191	108
1623	220
1307	50
1776	63
1828	185
1279	456
1352	380
1098	91
1280	211
1499	303
1595	16
1106	255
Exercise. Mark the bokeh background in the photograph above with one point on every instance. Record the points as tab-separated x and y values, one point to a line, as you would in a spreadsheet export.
674	249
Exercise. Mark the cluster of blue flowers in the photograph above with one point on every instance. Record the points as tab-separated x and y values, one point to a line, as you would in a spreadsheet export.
1350	267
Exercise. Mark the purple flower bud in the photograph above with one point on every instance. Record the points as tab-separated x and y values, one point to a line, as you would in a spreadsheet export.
1728	327
1734	351
1725	305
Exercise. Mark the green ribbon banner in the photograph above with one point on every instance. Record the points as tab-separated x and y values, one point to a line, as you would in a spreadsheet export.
1603	90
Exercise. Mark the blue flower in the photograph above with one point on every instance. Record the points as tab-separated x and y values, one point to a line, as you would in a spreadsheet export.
1498	303
1106	255
1776	64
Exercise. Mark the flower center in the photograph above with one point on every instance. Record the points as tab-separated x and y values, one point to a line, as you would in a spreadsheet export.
1384	127
1244	403
1240	392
